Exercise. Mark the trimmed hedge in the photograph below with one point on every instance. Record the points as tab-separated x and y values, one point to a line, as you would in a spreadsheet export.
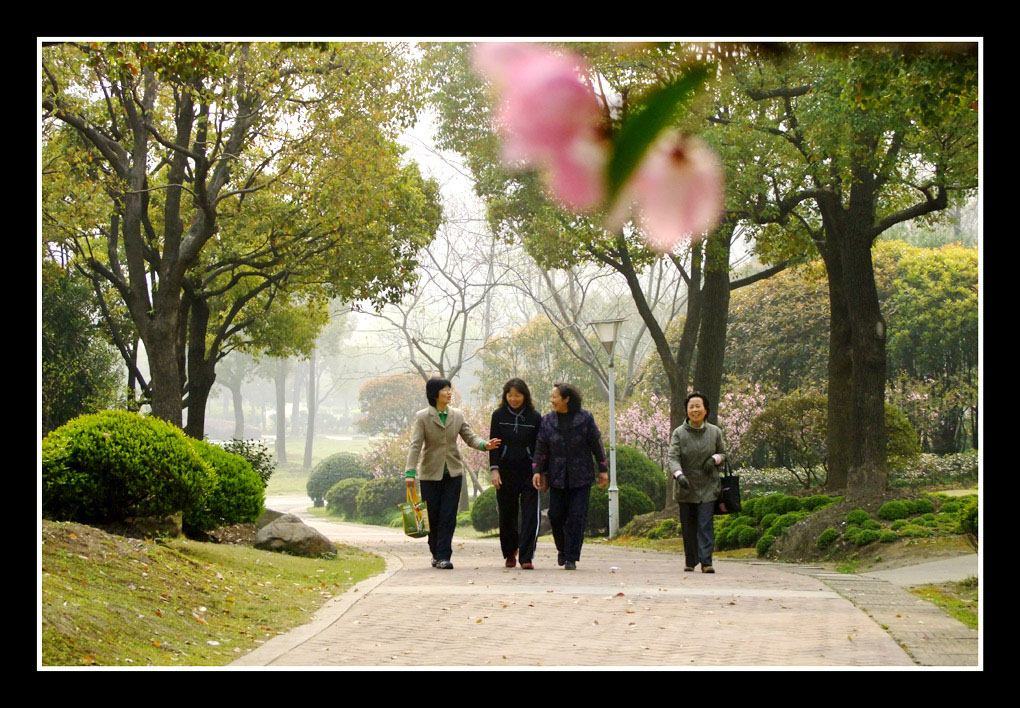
342	497
341	465
635	469
632	502
112	465
238	495
379	497
485	511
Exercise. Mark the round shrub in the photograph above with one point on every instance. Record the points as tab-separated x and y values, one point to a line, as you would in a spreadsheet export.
866	536
742	520
342	497
379	497
750	507
920	506
898	524
112	465
951	507
342	465
871	524
769	519
786	521
888	536
815	502
826	538
747	536
764	544
237	496
667	528
632	502
914	531
778	504
857	516
485	511
850	534
890	511
723	536
635	469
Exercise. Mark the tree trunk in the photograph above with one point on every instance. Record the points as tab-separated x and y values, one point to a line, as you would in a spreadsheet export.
281	411
164	375
201	372
312	401
840	370
235	393
708	369
295	418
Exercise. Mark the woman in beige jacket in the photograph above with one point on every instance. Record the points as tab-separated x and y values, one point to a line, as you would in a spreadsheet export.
435	458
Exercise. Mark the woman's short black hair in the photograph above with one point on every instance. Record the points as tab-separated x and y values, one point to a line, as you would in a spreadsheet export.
432	388
704	401
522	388
572	394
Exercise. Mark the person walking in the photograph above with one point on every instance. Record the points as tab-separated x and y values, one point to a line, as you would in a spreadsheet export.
695	453
515	423
435	458
568	439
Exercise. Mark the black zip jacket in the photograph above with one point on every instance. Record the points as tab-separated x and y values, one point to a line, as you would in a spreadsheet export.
517	433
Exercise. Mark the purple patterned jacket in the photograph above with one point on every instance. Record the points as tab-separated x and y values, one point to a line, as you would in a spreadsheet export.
566	460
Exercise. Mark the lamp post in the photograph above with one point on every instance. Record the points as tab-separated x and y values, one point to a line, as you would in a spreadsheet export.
607	331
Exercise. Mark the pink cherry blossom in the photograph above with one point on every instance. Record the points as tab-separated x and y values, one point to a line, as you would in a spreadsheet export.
676	192
548	118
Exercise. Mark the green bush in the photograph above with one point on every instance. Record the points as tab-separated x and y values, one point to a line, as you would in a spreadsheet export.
635	469
826	538
764	544
778	504
113	464
898	524
769	519
951	507
237	496
485	511
866	536
920	506
969	518
379	497
893	510
633	502
342	465
857	516
850	533
914	531
747	536
750	507
464	518
786	521
888	536
871	524
342	497
257	455
667	528
816	502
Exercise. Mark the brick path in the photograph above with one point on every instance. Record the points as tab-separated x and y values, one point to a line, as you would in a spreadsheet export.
621	607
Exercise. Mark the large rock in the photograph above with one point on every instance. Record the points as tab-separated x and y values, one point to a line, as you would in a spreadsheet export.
288	534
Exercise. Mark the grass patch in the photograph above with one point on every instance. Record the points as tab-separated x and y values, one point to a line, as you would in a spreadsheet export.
291	477
114	601
957	599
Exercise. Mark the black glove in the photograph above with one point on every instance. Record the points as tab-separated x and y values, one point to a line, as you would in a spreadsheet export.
708	466
683	483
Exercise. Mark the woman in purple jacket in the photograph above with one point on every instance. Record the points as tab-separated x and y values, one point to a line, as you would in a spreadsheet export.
568	440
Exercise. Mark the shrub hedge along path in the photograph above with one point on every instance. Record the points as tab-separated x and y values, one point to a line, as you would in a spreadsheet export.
621	607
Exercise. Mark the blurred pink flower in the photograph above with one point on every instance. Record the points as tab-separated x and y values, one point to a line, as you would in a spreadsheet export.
548	118
677	192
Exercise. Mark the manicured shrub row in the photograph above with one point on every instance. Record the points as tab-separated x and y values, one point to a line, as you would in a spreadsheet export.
911	518
113	465
763	519
342	465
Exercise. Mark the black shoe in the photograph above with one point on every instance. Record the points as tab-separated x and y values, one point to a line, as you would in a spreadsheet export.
445	565
434	562
560	559
570	565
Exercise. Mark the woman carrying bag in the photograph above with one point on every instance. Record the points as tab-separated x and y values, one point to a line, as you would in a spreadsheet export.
515	423
695	452
435	458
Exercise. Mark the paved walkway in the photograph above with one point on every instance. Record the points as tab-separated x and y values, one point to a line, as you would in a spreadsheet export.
621	607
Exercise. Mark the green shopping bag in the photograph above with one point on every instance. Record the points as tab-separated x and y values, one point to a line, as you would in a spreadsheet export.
416	518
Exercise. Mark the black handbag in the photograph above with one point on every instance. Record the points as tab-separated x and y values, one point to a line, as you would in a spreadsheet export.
729	499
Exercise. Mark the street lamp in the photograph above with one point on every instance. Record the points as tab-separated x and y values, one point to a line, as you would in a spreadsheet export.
607	331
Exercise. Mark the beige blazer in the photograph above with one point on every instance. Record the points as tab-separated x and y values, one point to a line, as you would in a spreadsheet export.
433	444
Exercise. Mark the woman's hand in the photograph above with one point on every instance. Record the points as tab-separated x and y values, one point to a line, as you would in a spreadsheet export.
492	444
497	482
538	482
603	479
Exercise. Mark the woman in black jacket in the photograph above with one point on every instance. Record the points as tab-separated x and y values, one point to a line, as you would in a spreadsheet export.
515	423
568	440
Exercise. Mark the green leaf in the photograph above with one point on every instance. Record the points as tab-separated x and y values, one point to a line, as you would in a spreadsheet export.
640	130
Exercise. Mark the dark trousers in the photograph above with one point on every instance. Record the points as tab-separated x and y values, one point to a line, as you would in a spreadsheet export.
698	532
442	499
518	533
568	515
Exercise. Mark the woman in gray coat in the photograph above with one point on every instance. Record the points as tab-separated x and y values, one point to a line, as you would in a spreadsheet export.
695	452
436	460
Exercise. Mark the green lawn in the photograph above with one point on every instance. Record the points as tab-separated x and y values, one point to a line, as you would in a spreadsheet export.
290	478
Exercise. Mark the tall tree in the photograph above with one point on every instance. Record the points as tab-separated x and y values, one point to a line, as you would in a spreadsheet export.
213	160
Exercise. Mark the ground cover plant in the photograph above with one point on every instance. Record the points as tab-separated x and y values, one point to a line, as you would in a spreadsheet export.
110	600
